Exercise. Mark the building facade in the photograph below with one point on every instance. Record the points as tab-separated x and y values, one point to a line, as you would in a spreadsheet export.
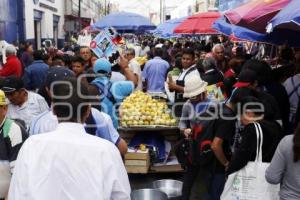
87	10
44	20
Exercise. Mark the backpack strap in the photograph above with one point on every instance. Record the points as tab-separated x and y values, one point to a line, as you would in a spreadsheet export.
105	90
189	71
295	88
90	127
6	127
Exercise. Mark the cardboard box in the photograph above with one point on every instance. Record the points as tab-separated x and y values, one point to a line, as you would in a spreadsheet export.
137	161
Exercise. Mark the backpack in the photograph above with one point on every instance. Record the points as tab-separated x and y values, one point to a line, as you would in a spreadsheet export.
203	136
105	90
196	150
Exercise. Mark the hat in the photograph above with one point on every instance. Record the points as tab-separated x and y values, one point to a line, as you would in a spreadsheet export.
102	66
11	84
194	86
3	100
58	74
159	46
246	78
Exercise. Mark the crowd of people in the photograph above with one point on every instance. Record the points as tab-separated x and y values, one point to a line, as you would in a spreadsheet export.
59	115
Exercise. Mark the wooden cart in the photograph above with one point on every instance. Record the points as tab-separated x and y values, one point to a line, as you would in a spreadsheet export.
171	134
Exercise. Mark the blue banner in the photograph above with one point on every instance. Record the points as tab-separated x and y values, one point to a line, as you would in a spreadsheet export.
230	4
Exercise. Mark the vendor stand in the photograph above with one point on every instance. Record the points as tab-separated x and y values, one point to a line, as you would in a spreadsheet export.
144	119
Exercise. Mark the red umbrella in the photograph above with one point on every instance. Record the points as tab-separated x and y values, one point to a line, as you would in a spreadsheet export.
256	14
198	24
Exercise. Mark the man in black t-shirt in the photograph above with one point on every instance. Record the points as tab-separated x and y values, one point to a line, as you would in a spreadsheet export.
224	131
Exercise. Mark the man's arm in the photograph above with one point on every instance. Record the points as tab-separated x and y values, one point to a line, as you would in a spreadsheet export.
123	63
122	146
217	147
276	170
174	87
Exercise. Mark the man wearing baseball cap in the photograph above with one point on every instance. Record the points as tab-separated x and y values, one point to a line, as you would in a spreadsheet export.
24	104
12	137
110	93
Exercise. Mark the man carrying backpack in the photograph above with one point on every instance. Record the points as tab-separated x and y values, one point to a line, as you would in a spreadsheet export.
211	133
195	91
109	93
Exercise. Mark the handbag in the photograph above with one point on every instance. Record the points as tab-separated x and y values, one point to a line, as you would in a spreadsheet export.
183	151
249	183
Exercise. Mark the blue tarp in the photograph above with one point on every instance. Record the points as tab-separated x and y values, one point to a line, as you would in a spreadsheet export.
124	21
288	18
277	37
165	30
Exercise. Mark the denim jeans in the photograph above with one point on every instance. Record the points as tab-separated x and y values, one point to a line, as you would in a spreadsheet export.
216	186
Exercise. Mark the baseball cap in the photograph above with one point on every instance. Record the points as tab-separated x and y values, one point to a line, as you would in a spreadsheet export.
3	99
246	78
58	74
102	66
11	84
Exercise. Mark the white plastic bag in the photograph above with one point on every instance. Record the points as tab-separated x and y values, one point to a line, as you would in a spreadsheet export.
249	183
85	39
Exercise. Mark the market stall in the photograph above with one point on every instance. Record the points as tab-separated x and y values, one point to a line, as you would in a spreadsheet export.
148	127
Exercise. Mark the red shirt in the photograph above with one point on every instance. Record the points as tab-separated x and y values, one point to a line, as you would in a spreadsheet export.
229	73
12	66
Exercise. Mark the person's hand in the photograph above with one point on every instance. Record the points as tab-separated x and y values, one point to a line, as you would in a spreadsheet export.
123	62
172	85
187	132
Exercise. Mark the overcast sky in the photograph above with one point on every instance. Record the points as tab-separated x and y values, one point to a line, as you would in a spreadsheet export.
144	6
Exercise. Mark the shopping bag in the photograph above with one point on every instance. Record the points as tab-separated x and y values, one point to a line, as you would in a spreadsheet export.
249	183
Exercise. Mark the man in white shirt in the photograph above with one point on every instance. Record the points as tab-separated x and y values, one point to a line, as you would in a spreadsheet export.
135	67
188	70
98	123
68	163
24	105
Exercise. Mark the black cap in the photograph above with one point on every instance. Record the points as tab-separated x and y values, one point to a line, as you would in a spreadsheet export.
11	84
58	74
245	78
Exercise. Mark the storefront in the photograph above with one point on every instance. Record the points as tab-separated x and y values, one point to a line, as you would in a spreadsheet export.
44	21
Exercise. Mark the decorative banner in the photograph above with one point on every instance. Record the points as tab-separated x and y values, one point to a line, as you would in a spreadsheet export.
103	46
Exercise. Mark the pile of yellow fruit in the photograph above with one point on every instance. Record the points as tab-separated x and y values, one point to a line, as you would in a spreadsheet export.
139	109
141	60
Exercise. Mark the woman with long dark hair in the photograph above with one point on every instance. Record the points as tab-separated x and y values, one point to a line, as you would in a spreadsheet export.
285	167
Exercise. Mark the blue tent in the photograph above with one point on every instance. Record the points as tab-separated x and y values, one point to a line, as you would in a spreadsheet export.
288	18
165	30
125	22
277	37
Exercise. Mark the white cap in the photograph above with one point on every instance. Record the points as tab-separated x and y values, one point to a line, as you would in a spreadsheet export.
194	86
159	46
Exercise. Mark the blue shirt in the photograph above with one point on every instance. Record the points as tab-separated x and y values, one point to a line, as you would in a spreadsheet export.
155	72
35	75
47	122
